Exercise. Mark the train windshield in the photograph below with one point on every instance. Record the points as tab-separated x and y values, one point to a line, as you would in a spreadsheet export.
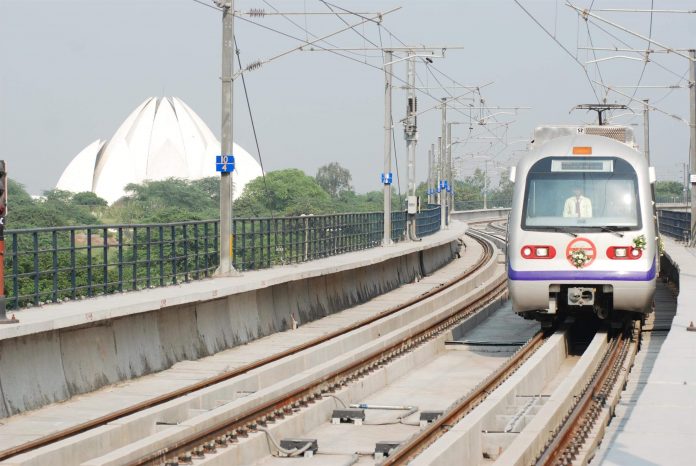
581	194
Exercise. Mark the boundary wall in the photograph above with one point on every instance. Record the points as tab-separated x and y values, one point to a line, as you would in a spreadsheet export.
63	350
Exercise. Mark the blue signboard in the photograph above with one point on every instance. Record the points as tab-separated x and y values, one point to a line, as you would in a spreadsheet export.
386	179
224	163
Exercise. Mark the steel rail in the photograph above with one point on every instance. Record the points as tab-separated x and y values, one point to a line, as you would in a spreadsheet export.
594	395
228	430
159	400
414	446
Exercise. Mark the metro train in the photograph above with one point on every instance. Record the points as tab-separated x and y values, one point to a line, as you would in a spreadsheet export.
582	231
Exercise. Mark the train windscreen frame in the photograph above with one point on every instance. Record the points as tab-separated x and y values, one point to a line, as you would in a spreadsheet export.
581	194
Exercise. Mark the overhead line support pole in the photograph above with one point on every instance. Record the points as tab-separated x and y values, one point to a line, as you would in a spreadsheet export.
449	191
646	130
386	181
226	185
692	139
431	175
443	161
411	135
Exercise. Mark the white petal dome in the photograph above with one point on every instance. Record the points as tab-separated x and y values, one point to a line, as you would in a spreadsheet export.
162	138
77	176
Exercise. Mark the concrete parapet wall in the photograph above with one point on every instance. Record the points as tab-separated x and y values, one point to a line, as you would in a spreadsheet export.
55	364
472	215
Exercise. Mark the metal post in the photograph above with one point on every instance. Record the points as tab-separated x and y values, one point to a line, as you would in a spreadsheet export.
686	185
485	185
433	176
443	160
646	130
226	186
438	171
387	240
430	174
692	139
448	177
411	134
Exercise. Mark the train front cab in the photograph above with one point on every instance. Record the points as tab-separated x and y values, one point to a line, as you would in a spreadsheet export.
569	255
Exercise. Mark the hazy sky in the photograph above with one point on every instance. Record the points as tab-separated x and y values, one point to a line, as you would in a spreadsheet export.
72	71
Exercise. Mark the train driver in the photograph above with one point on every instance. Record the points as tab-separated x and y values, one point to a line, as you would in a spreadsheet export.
577	205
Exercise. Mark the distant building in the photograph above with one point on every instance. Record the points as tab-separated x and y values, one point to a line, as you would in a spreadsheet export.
163	138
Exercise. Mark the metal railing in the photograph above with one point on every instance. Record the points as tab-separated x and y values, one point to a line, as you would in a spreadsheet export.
66	263
675	223
265	242
428	221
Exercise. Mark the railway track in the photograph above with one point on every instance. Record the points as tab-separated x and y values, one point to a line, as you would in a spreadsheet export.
556	437
229	431
245	421
557	403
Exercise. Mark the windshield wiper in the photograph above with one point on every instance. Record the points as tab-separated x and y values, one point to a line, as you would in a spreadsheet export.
563	230
612	230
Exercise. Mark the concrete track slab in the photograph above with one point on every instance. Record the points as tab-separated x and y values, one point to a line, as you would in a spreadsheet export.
186	372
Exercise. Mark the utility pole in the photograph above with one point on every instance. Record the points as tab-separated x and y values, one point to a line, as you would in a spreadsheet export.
485	184
646	130
387	175
438	171
432	178
430	173
443	174
411	135
692	139
685	171
226	187
448	191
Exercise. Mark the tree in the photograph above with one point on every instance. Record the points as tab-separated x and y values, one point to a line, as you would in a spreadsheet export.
478	180
88	198
334	179
502	195
16	194
284	192
669	191
171	200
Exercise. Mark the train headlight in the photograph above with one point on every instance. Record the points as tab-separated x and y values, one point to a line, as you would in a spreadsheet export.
533	251
624	252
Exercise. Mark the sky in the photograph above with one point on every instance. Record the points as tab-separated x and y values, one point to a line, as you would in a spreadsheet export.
72	71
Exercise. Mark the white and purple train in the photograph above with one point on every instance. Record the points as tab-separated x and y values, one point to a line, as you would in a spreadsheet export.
582	234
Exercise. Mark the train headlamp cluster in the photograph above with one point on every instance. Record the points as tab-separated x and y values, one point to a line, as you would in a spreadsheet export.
624	253
549	252
538	252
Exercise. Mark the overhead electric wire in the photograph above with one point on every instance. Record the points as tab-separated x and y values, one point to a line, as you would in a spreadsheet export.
669	92
594	53
253	128
653	107
309	33
208	5
393	138
635	51
582	65
329	6
647	54
317	45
